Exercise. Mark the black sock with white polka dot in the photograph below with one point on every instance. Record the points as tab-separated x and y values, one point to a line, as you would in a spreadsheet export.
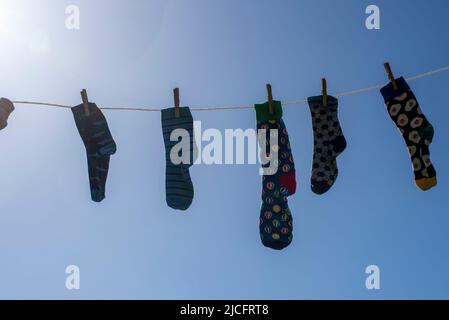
329	143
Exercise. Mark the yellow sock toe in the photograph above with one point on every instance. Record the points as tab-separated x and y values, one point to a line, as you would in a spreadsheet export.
426	183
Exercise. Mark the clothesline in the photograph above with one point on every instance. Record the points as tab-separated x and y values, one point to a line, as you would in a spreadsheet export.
286	103
279	173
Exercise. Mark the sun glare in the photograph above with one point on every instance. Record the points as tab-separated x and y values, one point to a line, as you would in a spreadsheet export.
18	28
6	13
9	15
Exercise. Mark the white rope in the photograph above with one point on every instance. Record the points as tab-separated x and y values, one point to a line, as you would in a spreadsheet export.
42	104
426	74
293	102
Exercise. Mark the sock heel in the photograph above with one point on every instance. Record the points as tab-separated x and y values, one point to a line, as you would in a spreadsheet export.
339	144
427	133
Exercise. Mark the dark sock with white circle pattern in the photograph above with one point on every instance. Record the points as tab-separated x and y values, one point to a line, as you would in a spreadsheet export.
279	179
404	110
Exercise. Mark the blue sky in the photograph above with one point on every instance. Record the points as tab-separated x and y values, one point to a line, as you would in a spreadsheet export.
132	246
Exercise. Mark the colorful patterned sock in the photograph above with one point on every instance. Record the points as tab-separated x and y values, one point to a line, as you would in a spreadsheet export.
100	145
6	107
276	221
329	143
416	130
178	184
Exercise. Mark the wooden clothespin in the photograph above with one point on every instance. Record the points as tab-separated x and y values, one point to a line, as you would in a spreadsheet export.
390	76
176	98
324	91
270	99
85	102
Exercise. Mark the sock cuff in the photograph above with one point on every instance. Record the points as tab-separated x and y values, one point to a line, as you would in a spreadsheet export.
389	93
6	105
262	111
318	100
169	114
78	111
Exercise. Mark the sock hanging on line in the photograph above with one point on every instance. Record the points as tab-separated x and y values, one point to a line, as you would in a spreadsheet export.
276	221
100	145
179	190
6	108
329	143
416	130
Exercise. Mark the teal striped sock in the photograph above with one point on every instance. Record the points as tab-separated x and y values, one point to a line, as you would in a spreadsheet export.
178	184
